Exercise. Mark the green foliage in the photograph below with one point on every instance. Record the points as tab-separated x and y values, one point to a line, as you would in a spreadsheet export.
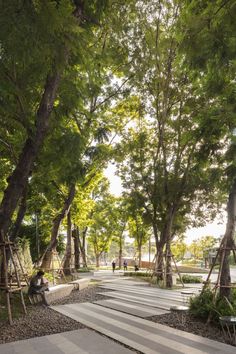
191	279
204	305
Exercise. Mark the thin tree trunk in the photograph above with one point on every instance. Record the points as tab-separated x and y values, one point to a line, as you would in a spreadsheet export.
75	235
47	257
169	279
225	278
139	254
120	251
82	245
66	262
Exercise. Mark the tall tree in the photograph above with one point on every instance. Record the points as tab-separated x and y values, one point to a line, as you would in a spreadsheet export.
48	33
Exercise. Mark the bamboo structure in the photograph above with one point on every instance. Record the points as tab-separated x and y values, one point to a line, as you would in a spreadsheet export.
159	271
221	250
7	285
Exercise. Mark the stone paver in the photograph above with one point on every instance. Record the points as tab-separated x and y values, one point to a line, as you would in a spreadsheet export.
131	308
82	341
141	334
142	299
150	292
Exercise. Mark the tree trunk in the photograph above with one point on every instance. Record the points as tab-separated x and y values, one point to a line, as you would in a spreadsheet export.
97	260
82	245
18	181
228	243
75	236
169	279
20	216
47	257
66	262
120	251
139	254
166	240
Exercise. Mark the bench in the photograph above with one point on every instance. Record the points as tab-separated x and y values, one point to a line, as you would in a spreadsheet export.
80	284
55	293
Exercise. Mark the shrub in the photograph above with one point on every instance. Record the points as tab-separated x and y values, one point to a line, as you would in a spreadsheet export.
204	305
137	274
186	278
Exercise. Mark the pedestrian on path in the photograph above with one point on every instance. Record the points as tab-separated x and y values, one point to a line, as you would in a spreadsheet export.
113	266
125	264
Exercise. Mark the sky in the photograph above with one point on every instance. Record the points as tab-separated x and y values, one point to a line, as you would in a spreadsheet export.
213	229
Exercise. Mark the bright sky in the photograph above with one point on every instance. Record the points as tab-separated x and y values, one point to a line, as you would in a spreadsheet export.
213	229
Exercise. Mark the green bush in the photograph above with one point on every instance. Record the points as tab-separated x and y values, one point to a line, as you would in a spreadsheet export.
186	278
204	305
137	274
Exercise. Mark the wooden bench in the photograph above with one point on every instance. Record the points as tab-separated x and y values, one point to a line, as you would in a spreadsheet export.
80	284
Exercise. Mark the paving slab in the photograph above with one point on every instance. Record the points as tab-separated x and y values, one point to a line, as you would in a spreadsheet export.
82	341
142	299
141	334
131	308
154	293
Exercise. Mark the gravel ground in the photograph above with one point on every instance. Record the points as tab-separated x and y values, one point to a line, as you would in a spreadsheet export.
41	321
190	324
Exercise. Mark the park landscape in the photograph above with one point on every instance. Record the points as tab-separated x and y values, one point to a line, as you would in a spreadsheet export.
147	87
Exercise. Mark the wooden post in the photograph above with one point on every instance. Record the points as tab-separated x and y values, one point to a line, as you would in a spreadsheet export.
6	279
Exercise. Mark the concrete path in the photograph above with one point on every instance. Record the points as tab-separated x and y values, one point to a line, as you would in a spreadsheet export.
141	334
82	341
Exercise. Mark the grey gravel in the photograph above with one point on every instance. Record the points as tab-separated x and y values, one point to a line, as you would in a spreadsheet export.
42	321
191	325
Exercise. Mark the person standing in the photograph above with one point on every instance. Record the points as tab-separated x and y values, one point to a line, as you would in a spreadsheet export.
113	265
125	264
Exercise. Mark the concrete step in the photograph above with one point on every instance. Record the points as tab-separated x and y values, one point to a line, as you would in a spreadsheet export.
141	334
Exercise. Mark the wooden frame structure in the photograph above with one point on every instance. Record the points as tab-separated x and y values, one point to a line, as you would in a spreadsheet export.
221	250
7	251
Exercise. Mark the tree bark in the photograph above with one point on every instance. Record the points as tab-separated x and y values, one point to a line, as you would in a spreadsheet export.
169	279
82	244
75	235
228	244
20	216
66	262
120	251
97	256
47	257
17	182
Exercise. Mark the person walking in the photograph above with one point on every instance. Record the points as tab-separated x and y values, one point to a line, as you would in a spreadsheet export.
113	265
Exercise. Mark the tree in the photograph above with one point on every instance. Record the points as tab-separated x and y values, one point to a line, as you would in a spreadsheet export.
171	161
211	38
